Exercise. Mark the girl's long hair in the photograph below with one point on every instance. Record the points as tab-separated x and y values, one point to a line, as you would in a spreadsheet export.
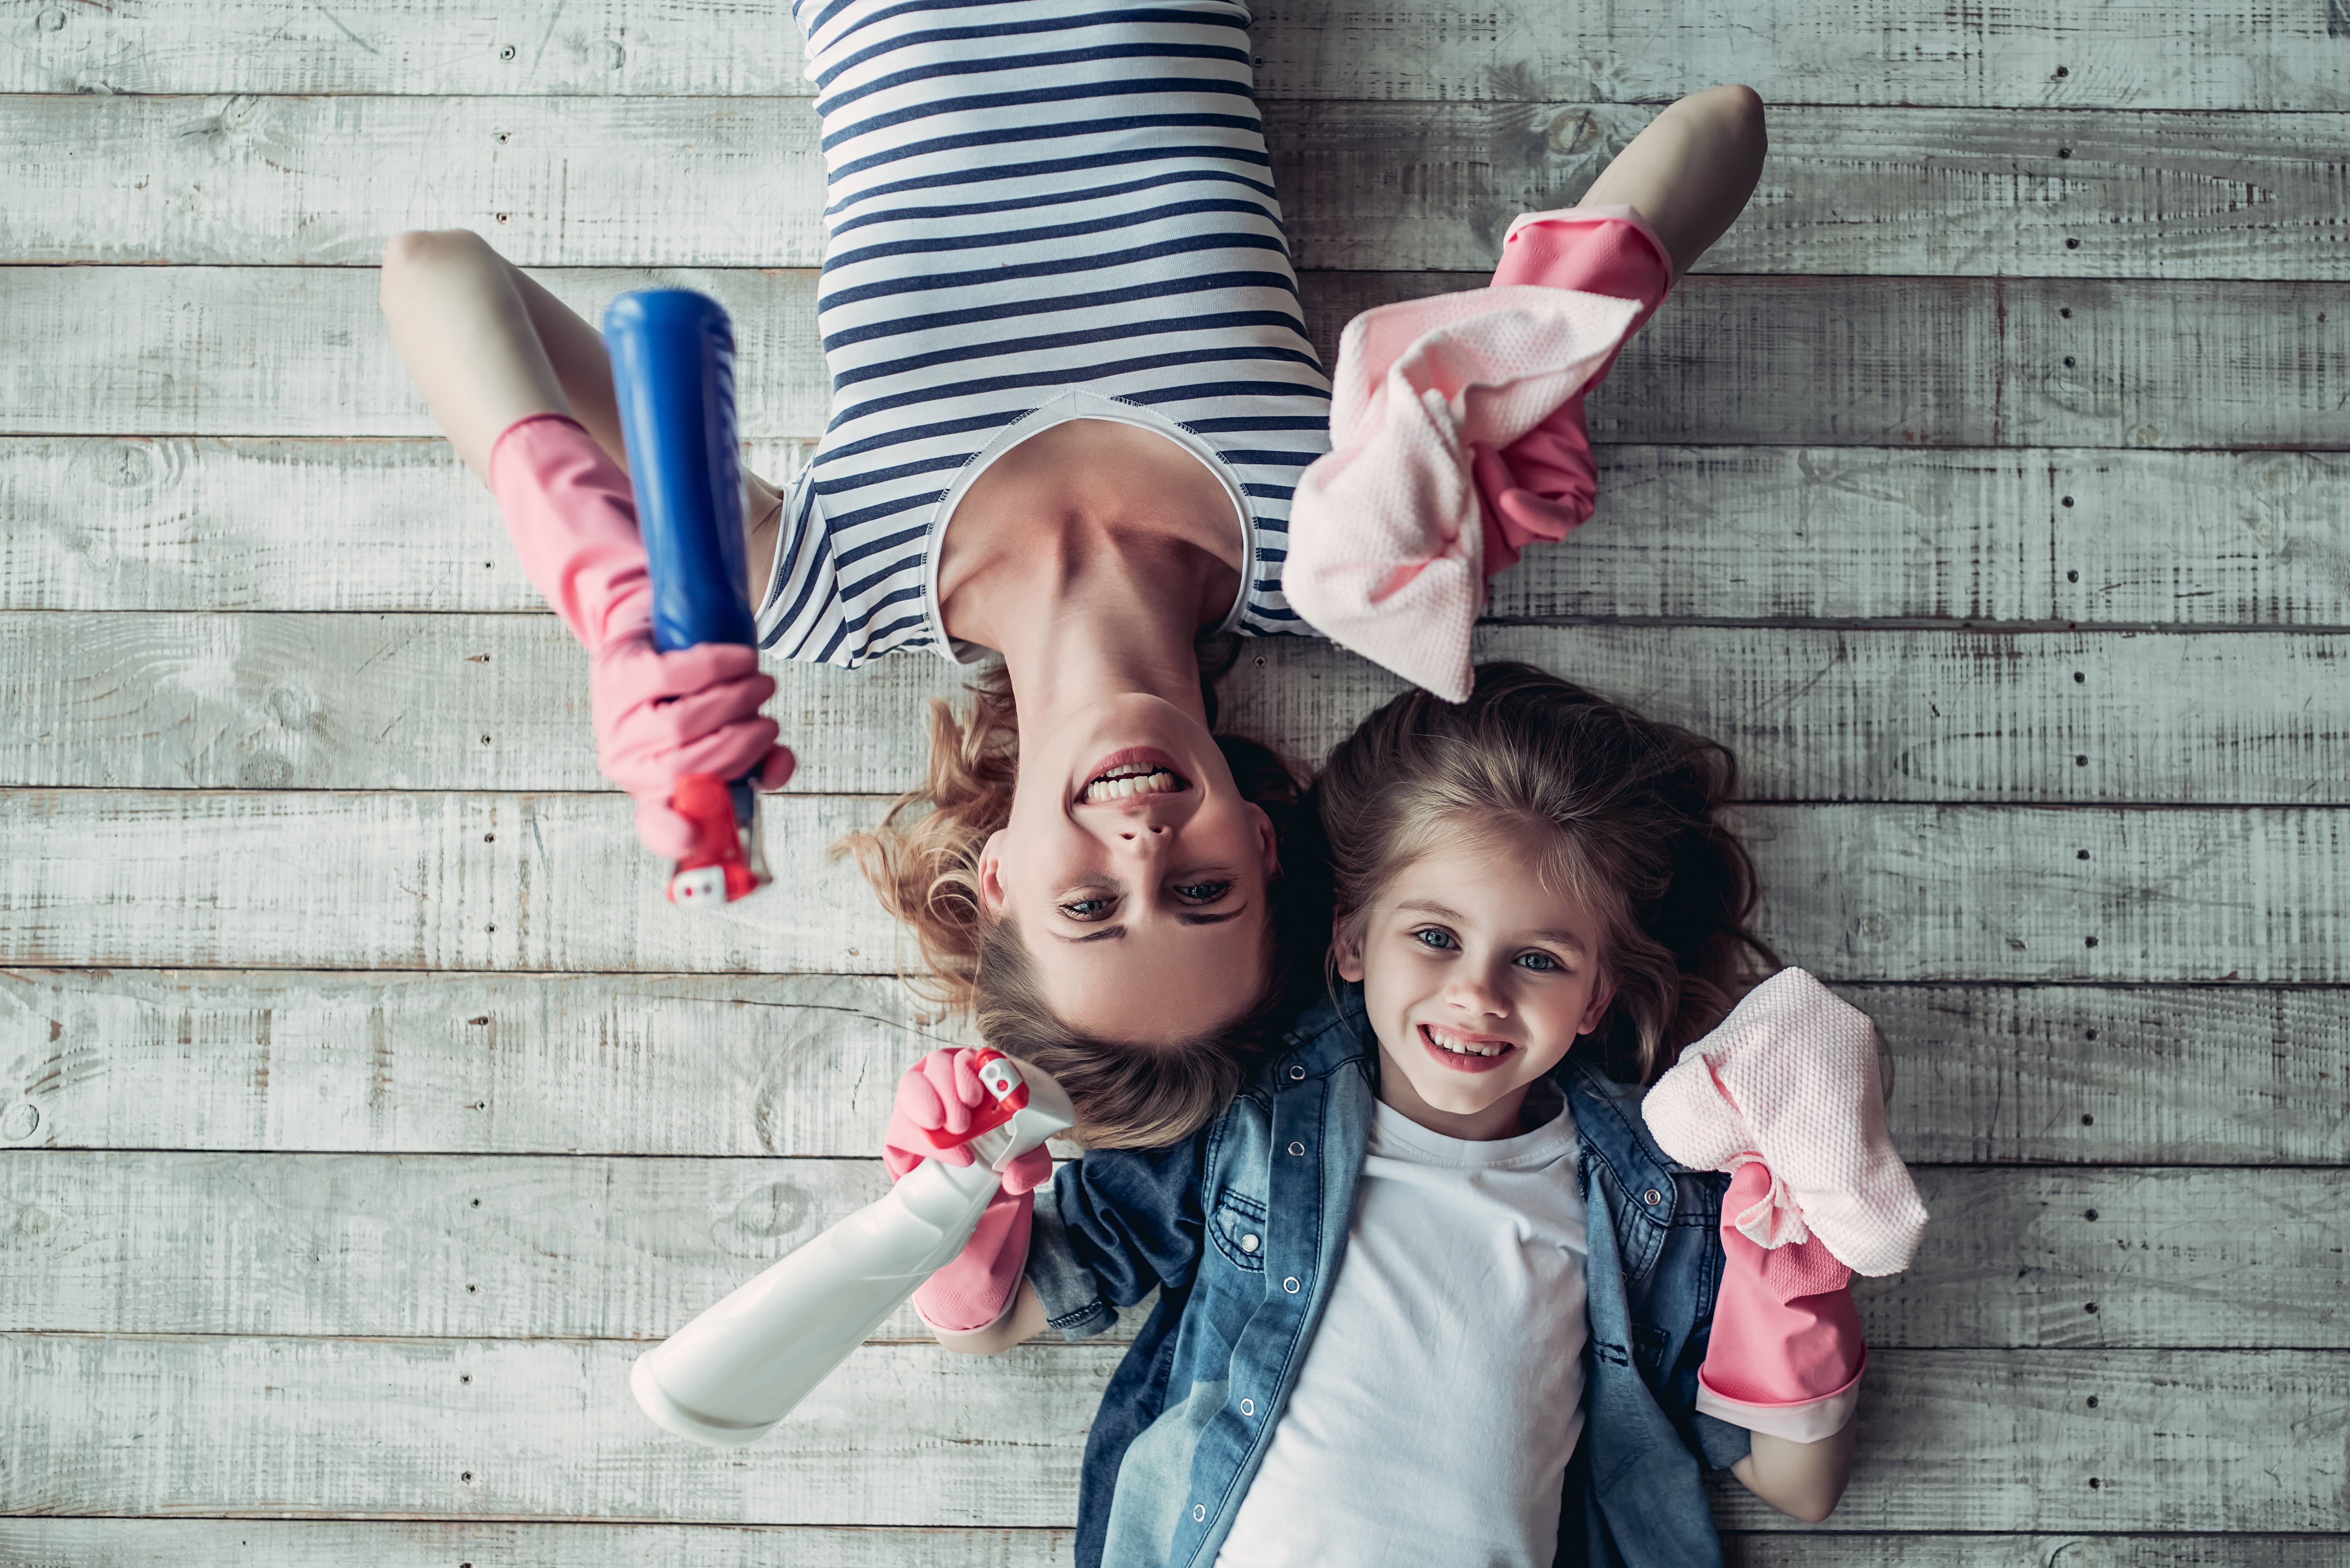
1621	811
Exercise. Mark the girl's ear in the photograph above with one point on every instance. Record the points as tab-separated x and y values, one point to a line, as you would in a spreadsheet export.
1346	947
1601	1000
992	896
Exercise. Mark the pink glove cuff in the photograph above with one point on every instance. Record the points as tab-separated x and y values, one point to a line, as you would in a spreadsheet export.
1797	1420
572	519
977	1288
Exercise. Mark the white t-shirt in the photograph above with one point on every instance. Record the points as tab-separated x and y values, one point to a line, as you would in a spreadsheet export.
1442	1399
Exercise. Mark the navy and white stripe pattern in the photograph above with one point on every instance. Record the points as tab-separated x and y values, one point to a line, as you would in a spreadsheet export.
1025	198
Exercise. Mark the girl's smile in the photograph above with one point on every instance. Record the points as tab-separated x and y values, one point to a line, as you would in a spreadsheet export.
1478	975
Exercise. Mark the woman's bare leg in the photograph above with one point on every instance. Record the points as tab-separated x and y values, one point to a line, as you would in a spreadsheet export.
1691	171
487	345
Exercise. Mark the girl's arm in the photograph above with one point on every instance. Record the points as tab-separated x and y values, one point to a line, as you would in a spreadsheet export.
487	346
1802	1480
1023	1322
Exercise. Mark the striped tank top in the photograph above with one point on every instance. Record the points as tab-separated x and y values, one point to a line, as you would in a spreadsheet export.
1036	212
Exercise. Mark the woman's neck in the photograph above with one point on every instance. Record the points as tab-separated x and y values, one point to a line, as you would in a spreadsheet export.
1091	557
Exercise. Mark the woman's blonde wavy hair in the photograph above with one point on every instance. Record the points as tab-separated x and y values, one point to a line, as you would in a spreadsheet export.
922	860
1621	811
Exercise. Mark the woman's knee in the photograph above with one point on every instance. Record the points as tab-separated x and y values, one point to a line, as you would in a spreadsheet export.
1731	118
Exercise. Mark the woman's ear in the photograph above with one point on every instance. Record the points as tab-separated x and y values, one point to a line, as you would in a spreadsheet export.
992	896
1268	842
1346	950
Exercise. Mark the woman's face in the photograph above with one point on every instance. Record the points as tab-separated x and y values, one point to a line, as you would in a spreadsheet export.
1134	873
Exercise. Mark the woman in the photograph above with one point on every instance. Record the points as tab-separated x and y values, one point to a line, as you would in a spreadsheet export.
1073	392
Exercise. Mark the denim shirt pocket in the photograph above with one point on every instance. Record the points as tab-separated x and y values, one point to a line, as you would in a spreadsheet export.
1236	1226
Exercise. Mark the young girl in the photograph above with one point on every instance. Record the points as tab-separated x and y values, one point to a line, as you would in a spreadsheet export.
1430	1292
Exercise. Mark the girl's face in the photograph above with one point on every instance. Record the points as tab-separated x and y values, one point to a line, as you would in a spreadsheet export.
1477	978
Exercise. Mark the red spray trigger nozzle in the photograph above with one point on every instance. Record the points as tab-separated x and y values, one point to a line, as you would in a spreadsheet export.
1007	1097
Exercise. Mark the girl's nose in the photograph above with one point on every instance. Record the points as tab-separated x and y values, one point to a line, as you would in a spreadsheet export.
1473	992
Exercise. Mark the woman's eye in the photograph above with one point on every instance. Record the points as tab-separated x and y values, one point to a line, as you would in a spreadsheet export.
1085	908
1541	963
1201	892
1433	937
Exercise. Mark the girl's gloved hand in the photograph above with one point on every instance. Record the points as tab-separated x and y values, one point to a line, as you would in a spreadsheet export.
1786	1354
572	519
940	1092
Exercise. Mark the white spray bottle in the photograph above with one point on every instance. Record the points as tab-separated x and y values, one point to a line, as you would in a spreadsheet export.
732	1373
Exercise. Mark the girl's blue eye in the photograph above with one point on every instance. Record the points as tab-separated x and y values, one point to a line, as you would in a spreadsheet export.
1201	892
1085	909
1434	937
1541	963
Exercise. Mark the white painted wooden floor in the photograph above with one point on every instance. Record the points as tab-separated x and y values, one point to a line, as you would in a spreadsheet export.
363	1111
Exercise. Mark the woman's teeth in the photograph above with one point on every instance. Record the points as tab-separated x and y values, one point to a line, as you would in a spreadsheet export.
1459	1047
1119	783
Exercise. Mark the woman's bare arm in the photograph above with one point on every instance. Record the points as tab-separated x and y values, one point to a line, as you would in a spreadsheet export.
1802	1480
487	345
1691	171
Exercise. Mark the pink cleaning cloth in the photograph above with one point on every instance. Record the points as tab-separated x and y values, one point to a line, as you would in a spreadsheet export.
1785	1353
1789	1079
572	519
1457	438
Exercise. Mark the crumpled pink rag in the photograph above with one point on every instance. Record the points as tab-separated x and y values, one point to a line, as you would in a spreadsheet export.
572	519
972	1291
1457	438
1789	1079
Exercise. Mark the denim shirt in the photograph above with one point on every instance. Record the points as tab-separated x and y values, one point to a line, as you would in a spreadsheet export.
1188	1414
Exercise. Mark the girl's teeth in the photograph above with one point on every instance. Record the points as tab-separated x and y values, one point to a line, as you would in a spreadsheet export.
1462	1047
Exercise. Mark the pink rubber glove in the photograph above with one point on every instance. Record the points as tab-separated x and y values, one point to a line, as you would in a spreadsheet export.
1543	484
940	1092
1786	1354
573	520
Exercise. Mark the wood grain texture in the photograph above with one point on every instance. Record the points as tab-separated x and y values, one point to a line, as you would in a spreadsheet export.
436	1544
2196	1440
1840	534
1379	186
557	882
1735	361
1792	1549
759	1064
505	1247
443	1543
2146	54
499	702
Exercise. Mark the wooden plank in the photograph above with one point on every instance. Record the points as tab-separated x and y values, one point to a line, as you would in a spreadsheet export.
2153	538
446	701
209	525
2196	1440
2137	53
1735	361
1380	186
481	1246
1791	1549
182	1542
541	882
2010	1440
776	1065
